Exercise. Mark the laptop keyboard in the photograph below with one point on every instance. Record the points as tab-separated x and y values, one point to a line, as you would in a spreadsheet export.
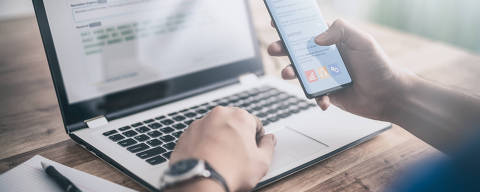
154	139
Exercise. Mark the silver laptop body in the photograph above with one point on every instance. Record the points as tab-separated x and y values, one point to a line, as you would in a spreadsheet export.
131	75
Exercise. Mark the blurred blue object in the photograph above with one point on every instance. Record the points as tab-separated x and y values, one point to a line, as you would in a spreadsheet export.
458	172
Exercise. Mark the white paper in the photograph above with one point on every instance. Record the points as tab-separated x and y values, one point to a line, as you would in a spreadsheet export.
30	176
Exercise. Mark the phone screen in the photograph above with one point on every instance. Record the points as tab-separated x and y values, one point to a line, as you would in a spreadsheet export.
320	68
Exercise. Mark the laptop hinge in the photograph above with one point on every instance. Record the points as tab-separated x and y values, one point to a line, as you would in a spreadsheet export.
96	122
248	78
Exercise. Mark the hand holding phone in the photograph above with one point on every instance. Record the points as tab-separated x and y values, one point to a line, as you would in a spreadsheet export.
320	69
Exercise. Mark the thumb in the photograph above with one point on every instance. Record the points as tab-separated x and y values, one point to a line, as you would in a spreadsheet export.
334	35
267	145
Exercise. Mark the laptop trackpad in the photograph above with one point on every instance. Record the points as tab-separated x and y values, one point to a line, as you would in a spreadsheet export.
293	146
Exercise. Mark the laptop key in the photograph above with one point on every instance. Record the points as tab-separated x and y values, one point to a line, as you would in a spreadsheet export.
138	148
273	119
151	152
172	114
283	96
265	122
160	117
282	107
268	104
201	111
257	108
108	133
127	142
167	130
167	154
294	101
137	124
261	115
188	122
154	134
167	138
244	105
148	121
142	137
178	118
283	115
167	122
154	142
124	128
191	114
177	134
169	146
179	126
271	111
142	129
264	89
303	105
293	110
156	160
130	133
155	125
116	137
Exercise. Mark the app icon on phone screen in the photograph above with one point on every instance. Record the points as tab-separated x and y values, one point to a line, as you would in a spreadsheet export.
320	69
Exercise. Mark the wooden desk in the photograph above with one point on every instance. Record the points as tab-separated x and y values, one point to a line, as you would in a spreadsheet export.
30	121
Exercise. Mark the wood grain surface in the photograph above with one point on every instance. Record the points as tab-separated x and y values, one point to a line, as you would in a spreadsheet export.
30	121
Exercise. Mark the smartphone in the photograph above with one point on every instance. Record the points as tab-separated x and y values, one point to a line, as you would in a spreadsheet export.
320	69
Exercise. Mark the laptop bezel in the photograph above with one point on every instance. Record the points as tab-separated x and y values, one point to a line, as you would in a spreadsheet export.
75	114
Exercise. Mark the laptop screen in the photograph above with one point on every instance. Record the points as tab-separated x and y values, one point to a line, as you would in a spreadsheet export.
108	46
119	57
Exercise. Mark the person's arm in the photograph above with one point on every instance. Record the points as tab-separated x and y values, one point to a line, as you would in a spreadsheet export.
442	117
382	91
198	185
232	141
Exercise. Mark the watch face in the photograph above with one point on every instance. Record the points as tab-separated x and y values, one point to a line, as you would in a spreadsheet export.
182	167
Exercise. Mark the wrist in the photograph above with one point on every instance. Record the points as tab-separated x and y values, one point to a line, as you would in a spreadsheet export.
225	170
199	184
399	97
184	172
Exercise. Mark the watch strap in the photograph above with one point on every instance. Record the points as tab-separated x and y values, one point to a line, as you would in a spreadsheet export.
216	176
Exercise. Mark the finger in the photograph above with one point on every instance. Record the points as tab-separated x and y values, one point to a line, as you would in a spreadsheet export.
215	112
260	130
267	146
323	102
276	49
341	98
335	34
288	73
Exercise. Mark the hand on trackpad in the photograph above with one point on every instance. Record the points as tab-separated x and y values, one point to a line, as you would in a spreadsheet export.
293	146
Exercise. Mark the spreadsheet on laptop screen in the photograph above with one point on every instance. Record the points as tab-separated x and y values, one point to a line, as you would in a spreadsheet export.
106	46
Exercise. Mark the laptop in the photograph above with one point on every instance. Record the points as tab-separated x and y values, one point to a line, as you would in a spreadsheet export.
132	75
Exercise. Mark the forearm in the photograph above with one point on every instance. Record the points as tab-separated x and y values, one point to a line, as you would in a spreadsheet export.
439	116
200	185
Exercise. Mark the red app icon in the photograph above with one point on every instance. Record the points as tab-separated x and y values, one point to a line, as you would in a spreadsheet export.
311	76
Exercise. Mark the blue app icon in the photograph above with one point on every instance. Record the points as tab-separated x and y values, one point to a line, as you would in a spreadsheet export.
334	70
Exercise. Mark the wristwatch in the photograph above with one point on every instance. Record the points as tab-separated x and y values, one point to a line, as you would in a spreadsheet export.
187	170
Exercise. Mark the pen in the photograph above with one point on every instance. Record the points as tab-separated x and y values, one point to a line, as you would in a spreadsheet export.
61	180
